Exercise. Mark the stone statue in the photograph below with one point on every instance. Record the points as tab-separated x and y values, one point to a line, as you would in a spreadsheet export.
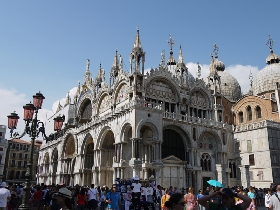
88	63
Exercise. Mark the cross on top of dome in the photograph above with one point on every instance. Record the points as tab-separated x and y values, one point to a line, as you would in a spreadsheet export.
215	50
170	42
270	43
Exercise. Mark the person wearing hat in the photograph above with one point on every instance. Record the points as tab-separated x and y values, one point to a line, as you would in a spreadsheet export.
5	196
63	198
227	200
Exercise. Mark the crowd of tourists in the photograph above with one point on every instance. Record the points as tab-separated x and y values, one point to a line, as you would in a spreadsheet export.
60	197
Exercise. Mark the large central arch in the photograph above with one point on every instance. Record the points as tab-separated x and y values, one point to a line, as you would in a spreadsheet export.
175	142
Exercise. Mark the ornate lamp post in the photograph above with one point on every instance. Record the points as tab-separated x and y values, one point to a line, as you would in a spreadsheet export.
33	127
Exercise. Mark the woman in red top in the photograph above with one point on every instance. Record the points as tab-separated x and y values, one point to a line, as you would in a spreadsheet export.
81	199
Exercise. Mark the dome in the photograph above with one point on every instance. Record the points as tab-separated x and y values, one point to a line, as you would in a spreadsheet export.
266	78
230	87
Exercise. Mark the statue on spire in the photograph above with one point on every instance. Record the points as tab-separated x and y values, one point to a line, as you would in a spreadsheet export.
87	65
162	62
198	70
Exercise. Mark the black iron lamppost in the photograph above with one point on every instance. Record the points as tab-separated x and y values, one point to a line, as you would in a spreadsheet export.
33	127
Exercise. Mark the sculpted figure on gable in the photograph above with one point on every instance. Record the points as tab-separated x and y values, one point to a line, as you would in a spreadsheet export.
160	89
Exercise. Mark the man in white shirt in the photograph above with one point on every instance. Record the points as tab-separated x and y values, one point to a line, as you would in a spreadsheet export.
275	199
92	198
5	196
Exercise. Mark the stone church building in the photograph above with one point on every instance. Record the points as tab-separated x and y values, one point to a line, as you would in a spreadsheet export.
164	122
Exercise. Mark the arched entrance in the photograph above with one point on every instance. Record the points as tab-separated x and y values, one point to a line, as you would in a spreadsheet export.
174	157
107	157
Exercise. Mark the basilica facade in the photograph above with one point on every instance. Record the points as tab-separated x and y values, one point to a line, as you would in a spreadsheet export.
164	122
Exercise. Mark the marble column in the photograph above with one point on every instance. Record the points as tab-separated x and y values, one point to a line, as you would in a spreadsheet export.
245	176
145	173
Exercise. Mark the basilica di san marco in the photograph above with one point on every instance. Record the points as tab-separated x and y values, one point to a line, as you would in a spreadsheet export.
166	123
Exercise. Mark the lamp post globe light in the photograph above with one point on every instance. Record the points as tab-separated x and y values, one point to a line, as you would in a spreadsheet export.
33	127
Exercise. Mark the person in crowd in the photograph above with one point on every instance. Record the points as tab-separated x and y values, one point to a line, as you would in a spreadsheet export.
63	198
175	202
190	199
200	195
176	190
5	196
251	206
113	199
267	198
207	191
13	203
165	198
103	197
159	193
238	191
275	199
37	198
93	196
53	203
251	194
81	199
227	200
171	191
216	199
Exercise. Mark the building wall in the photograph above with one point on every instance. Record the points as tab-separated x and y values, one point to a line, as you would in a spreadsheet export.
17	159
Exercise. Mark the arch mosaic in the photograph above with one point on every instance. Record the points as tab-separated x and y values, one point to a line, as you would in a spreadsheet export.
104	104
101	137
200	98
162	89
69	148
209	141
121	94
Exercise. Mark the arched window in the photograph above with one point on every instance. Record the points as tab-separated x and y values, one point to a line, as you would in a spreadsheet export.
241	117
258	112
249	113
205	162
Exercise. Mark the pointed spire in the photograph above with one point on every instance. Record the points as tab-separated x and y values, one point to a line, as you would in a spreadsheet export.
212	66
59	107
116	60
180	59
251	78
171	60
137	42
68	99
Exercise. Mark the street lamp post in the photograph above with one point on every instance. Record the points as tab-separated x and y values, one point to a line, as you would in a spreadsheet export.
33	127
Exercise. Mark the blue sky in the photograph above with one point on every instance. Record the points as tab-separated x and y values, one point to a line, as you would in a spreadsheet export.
44	44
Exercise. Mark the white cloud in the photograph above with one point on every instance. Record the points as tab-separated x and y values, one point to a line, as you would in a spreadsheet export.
240	72
62	101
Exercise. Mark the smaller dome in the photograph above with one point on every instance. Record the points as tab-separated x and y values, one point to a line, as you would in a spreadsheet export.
219	65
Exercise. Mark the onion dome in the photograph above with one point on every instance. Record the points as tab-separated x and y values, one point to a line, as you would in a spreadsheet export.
219	65
266	79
